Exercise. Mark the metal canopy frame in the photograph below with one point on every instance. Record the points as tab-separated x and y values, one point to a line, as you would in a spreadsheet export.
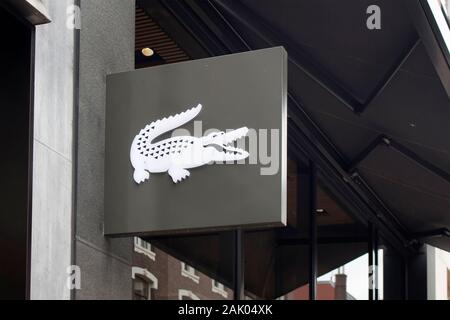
307	135
306	64
389	142
207	24
383	140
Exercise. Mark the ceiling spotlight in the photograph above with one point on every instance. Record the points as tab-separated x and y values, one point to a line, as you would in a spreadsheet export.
321	212
147	52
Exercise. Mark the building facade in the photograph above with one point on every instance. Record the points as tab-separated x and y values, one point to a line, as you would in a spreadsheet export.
368	187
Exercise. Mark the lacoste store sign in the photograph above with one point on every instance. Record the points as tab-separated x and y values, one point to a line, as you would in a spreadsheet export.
198	145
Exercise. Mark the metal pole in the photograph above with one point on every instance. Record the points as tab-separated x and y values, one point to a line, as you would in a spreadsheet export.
371	264
313	233
375	249
405	278
239	269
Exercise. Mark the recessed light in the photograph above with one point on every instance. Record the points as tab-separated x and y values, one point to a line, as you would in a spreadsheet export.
148	52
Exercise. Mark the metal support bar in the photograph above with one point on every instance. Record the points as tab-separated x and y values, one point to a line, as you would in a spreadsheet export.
306	64
371	274
299	59
442	232
375	249
420	161
391	75
365	153
363	201
313	233
321	240
405	278
382	139
363	184
373	261
239	266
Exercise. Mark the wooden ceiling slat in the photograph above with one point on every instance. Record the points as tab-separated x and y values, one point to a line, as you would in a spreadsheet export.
150	34
153	37
171	50
173	55
178	60
147	29
162	44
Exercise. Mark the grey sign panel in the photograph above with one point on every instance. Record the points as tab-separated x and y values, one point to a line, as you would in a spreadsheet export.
240	90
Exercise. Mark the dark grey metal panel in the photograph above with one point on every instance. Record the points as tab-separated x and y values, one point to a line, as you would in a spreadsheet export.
247	89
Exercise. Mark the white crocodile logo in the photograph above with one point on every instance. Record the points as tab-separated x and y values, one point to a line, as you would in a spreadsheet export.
176	155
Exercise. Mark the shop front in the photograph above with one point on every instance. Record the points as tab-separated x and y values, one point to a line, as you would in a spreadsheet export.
227	150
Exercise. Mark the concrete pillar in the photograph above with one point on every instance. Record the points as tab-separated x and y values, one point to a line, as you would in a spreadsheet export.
53	158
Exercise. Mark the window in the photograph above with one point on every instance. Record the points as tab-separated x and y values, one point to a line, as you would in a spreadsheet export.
186	295
141	289
189	272
144	284
219	288
143	247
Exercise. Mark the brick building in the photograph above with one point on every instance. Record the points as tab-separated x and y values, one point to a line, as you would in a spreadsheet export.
159	276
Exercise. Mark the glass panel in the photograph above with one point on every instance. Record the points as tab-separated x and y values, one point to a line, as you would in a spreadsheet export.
292	253
343	265
179	272
141	289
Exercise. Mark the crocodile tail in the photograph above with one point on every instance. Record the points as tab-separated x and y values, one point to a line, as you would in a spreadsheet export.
159	127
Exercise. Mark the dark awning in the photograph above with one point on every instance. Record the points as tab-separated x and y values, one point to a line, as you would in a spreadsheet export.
381	97
372	105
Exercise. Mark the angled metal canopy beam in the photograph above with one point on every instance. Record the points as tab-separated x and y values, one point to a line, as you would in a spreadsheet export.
348	191
436	233
306	64
384	83
384	140
321	240
425	24
300	60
